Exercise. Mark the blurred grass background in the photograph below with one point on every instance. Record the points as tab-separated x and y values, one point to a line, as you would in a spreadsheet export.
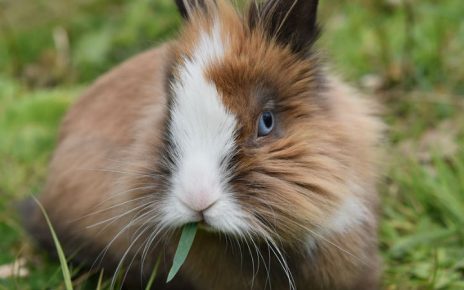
409	54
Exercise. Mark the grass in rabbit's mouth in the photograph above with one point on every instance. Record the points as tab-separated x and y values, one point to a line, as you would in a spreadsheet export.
183	248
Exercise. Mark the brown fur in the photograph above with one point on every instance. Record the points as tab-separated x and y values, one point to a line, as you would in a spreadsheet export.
109	160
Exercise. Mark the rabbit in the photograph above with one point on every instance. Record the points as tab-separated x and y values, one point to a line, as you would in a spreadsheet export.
237	125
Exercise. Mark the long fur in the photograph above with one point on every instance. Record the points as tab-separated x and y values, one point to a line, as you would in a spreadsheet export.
299	207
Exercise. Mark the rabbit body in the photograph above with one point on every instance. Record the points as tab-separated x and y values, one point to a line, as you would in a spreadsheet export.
236	125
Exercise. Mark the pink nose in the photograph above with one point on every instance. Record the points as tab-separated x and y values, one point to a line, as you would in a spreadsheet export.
199	201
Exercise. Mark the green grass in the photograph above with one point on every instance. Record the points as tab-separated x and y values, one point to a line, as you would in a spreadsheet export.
183	248
61	256
414	51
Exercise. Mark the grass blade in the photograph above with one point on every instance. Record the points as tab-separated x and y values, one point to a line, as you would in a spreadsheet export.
100	279
185	243
61	256
153	274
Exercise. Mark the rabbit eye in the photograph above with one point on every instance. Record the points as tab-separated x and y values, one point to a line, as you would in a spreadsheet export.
266	123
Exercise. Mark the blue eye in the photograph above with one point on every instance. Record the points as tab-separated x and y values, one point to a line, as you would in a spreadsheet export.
266	124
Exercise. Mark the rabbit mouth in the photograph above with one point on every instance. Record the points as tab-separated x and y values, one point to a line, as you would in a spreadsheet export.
204	226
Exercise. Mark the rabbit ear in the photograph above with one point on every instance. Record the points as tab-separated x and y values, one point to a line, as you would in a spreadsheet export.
290	22
187	7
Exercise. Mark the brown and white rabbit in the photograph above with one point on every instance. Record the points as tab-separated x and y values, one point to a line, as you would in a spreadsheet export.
237	125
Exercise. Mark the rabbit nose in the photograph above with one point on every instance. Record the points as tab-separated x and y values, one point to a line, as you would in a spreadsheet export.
200	201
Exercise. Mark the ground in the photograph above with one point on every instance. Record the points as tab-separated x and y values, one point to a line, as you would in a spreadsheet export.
408	54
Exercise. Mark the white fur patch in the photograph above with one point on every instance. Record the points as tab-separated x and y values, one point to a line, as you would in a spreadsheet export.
203	135
351	213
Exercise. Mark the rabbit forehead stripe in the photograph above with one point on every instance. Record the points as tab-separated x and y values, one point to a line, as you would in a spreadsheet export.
203	133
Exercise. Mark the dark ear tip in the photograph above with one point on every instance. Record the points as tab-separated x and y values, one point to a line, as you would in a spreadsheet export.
291	22
181	8
187	6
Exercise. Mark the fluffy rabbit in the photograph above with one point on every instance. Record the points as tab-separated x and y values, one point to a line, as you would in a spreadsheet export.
238	126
